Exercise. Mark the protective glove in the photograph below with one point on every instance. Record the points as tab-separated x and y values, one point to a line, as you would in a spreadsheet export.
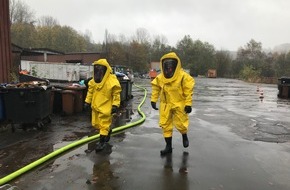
153	104
114	109
87	106
187	109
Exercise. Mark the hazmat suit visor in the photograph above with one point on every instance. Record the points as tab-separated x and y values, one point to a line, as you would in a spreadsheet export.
169	67
99	73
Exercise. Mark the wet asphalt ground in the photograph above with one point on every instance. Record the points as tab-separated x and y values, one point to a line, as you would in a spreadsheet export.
238	140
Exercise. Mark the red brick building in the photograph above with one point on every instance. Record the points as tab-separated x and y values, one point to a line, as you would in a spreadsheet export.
5	42
48	55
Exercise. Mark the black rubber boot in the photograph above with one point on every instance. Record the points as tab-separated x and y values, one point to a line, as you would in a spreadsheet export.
109	136
168	147
101	144
185	140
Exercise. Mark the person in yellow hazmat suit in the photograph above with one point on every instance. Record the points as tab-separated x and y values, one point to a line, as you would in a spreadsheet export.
103	97
175	88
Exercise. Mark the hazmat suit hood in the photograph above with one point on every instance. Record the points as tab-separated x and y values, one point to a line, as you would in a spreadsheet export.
176	69
104	63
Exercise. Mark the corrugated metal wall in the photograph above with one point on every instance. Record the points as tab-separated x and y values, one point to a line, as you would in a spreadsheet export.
5	42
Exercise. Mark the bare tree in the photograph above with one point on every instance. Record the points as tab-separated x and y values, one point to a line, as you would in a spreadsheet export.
123	39
20	12
142	36
47	21
163	39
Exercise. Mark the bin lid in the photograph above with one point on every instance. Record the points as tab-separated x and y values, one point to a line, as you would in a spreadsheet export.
75	88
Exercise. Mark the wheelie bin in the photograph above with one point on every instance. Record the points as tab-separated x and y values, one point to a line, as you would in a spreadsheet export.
2	114
27	105
79	93
68	102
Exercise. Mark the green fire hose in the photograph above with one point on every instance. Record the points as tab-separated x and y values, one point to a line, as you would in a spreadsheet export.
32	165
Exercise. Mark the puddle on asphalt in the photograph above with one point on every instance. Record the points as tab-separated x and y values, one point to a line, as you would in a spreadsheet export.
246	102
97	165
124	116
225	96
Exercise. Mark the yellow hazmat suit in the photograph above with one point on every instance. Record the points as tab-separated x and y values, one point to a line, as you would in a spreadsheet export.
175	94
103	96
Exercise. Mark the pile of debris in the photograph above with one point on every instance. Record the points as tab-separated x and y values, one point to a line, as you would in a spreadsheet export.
30	84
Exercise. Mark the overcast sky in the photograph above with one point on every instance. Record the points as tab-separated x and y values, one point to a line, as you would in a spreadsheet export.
226	24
